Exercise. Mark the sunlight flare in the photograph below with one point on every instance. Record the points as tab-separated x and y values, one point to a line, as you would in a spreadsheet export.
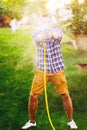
81	1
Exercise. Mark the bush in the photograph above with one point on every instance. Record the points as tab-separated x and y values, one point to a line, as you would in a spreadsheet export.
78	22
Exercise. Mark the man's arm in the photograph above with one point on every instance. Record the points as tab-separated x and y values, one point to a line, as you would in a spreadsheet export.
40	36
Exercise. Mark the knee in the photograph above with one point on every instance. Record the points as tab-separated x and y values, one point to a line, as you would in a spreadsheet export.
33	97
65	97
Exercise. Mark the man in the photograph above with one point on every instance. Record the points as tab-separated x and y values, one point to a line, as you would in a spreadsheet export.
54	73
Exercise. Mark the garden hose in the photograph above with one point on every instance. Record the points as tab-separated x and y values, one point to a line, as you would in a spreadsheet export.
45	90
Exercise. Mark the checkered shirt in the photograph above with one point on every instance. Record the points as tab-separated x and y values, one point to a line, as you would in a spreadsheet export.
54	61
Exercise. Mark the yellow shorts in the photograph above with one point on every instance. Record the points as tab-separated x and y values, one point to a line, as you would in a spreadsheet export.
58	79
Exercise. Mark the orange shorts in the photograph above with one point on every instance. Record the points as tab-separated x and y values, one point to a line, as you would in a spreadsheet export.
58	79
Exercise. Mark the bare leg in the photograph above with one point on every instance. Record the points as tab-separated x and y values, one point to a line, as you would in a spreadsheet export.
67	105
32	106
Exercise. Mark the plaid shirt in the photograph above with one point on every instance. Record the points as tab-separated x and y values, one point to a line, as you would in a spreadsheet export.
54	61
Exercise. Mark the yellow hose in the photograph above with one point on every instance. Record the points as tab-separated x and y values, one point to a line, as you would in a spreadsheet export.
46	99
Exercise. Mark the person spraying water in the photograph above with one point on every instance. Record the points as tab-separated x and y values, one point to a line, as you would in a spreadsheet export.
50	68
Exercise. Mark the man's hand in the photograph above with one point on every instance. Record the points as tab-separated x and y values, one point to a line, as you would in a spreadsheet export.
55	35
44	35
48	34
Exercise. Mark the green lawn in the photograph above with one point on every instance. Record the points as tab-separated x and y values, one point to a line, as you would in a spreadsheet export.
17	68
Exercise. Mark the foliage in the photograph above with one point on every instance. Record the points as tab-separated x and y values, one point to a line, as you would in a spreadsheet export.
18	8
16	74
12	8
78	23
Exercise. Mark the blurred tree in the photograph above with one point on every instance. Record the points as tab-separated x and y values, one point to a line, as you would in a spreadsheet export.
12	8
77	25
78	22
18	9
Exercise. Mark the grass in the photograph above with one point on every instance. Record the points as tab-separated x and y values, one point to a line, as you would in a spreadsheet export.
17	68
